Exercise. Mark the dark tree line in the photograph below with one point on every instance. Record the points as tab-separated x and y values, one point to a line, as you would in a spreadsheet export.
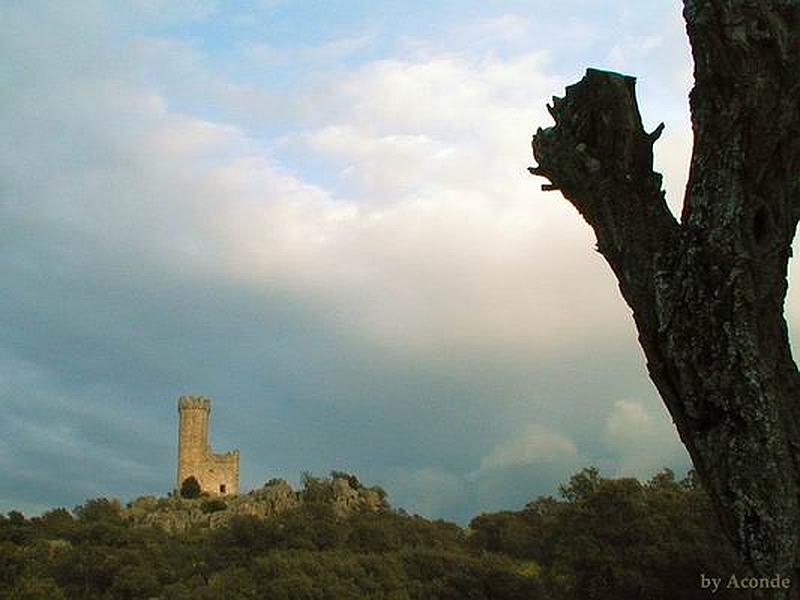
602	539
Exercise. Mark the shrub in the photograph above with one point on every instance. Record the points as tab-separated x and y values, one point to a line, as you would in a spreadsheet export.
352	480
213	505
190	488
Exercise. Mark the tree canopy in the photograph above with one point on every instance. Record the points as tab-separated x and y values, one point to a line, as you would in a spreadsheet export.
601	539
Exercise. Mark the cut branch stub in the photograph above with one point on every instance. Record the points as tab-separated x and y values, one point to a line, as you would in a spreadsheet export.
600	157
598	134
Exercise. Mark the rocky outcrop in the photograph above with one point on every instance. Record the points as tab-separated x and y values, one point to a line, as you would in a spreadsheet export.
176	514
346	499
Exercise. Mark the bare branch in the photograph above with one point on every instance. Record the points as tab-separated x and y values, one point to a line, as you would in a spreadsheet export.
599	156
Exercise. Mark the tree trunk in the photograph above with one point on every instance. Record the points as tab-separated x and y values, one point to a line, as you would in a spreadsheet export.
707	293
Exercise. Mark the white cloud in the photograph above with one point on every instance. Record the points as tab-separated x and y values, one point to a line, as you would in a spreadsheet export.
506	27
672	155
145	198
628	423
443	246
434	154
633	49
442	240
166	12
530	463
263	54
438	240
642	442
443	95
531	446
429	491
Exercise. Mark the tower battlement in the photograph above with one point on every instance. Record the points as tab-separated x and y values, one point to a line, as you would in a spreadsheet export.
194	402
217	474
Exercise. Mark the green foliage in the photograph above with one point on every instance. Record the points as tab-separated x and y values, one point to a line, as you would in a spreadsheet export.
213	505
602	539
135	581
99	510
352	480
190	488
581	485
14	528
57	523
616	538
36	588
382	495
12	562
100	521
315	490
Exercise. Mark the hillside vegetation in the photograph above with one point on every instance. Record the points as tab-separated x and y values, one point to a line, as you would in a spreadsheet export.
600	539
343	494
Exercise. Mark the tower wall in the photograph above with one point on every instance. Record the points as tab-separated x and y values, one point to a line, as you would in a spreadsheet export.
217	474
193	414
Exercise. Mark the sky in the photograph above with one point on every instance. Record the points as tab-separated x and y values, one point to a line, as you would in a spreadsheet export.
317	214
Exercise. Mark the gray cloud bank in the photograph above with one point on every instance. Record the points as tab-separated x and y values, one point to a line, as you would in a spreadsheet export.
427	319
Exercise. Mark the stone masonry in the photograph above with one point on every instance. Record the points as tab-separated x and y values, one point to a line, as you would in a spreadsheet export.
217	474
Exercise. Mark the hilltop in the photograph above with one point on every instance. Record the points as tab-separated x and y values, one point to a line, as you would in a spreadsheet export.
342	492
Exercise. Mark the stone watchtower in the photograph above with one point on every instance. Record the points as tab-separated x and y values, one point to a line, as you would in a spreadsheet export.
217	474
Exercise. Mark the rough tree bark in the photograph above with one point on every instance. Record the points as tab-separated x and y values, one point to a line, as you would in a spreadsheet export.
707	292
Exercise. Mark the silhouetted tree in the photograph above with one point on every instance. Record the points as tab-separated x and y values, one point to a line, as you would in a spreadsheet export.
707	292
